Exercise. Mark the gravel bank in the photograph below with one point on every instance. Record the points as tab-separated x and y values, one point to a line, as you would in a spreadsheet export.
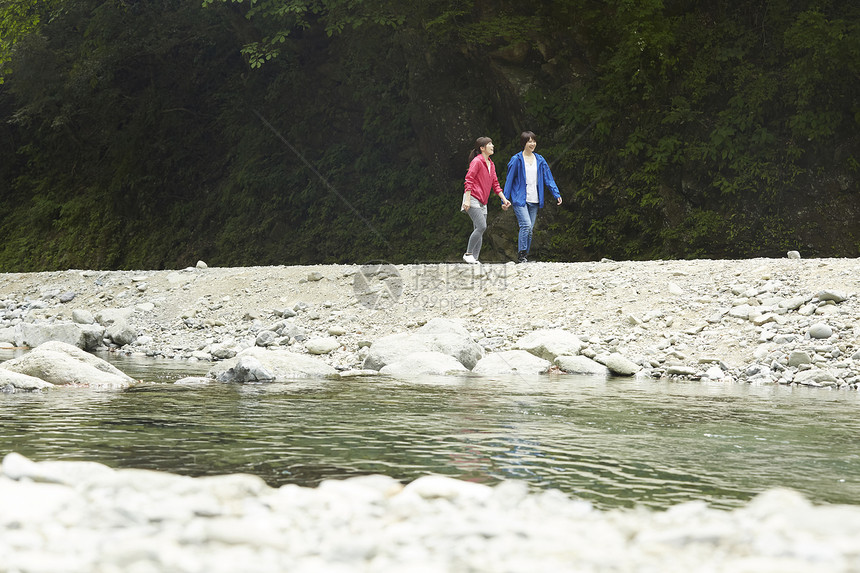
789	321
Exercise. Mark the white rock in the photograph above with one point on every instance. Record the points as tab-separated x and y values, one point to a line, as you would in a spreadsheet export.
820	331
581	365
322	345
424	363
550	343
618	364
21	382
511	362
815	377
60	363
283	365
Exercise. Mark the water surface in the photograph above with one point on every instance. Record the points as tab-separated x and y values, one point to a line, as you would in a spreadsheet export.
615	442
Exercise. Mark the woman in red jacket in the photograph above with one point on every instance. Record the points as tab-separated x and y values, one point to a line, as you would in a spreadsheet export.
480	180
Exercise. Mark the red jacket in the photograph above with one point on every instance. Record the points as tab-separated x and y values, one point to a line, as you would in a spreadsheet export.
479	180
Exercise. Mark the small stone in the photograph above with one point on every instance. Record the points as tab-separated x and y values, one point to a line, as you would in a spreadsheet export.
321	345
797	358
820	331
202	265
66	297
680	371
834	295
793	254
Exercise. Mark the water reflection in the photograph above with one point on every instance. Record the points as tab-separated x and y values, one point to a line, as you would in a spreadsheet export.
616	442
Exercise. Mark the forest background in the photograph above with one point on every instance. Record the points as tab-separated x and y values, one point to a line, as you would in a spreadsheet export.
150	134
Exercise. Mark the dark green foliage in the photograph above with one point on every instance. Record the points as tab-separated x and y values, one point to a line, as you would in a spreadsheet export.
155	133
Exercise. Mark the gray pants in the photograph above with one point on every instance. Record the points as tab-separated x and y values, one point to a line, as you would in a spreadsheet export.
478	213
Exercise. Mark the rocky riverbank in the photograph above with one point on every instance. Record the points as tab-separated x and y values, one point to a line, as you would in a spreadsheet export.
85	517
764	321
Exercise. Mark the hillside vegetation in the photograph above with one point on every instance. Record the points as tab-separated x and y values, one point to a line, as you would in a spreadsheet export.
154	133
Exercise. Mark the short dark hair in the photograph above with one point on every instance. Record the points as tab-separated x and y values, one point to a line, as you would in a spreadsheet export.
525	136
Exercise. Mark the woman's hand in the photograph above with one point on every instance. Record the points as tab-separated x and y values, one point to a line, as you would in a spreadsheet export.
559	201
467	201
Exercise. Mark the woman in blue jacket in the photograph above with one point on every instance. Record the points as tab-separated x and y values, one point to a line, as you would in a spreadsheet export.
528	173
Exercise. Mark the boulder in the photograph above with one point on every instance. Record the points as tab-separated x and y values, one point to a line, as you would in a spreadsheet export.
439	335
834	295
61	364
511	362
7	337
121	333
619	365
247	369
108	316
82	316
15	382
87	337
549	344
798	357
450	337
423	363
581	365
815	377
281	365
392	348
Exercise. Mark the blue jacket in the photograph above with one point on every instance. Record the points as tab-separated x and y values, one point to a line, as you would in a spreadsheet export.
515	182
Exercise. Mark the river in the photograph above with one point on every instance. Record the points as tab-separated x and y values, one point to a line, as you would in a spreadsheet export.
619	442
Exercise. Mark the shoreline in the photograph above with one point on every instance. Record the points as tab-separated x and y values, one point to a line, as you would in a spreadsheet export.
755	320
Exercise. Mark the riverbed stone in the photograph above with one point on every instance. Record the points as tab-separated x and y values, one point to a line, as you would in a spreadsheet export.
439	335
247	369
451	337
322	345
392	348
581	365
7	336
17	382
815	377
283	365
680	370
108	316
33	334
424	363
550	343
511	362
62	366
820	330
798	357
832	295
120	332
82	316
619	364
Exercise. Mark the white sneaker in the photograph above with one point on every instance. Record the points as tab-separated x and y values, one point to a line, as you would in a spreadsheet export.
470	259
